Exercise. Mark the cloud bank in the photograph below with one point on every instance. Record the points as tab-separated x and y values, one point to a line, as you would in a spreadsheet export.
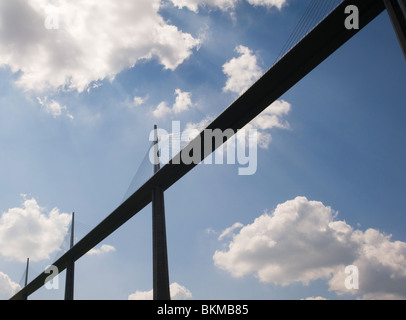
29	231
302	241
69	44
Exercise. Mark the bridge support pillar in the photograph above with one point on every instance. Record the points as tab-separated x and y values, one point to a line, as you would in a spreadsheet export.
160	254
70	267
25	297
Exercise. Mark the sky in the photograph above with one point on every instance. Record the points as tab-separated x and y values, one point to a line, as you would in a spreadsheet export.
82	84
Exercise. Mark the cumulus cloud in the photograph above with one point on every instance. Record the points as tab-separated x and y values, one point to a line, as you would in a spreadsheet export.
302	241
183	102
242	71
177	292
7	287
224	5
28	231
71	44
382	267
264	248
105	248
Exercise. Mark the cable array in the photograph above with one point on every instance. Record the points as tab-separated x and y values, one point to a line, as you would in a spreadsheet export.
143	173
315	12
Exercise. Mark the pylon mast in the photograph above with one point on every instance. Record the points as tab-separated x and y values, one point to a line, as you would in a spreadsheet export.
70	268
160	255
26	277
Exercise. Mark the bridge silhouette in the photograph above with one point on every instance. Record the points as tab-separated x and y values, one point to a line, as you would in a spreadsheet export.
299	60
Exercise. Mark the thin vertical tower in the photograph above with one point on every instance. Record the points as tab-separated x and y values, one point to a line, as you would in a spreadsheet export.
70	268
26	277
160	255
26	272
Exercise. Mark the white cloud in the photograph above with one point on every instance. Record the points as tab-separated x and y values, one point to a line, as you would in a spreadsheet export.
302	241
242	71
268	3
228	231
7	287
162	110
177	292
95	39
54	108
194	5
94	85
27	231
105	248
315	298
193	129
141	295
183	102
382	267
224	5
270	118
275	246
137	101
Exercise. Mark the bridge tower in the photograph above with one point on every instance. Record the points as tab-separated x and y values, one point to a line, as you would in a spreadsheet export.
70	268
159	247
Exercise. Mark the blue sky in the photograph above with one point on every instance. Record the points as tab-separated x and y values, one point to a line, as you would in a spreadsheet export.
77	105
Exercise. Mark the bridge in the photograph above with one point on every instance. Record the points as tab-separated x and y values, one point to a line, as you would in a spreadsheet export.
315	47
